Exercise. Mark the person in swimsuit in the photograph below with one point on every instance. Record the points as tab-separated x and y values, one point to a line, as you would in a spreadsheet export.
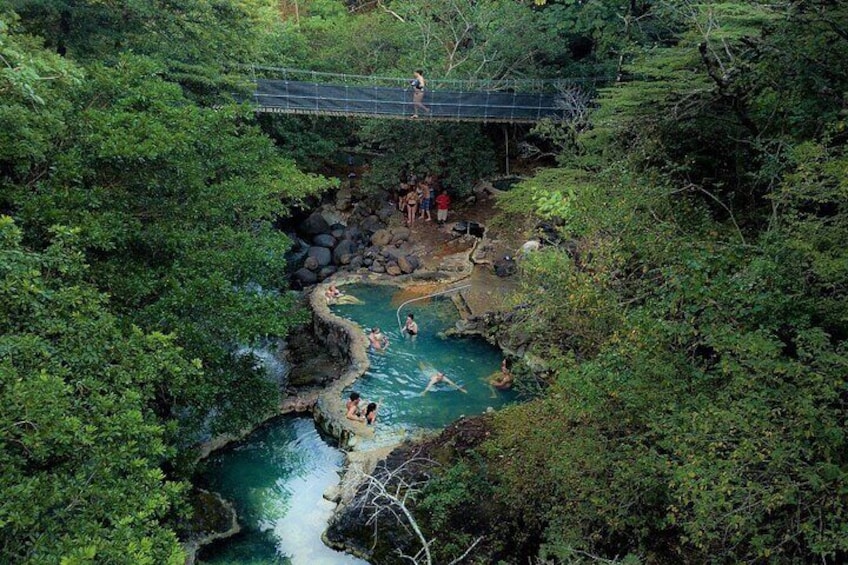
426	199
332	293
417	85
440	377
411	327
353	412
371	413
411	207
503	380
377	340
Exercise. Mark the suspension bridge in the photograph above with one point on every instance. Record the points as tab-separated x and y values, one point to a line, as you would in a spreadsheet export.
293	91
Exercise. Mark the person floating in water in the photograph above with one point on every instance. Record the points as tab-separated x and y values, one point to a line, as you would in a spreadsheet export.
353	411
411	328
502	380
417	85
440	377
371	413
377	340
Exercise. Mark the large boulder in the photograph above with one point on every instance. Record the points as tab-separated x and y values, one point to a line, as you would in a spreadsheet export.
324	240
381	238
345	247
321	254
343	199
305	277
405	265
394	253
400	234
314	224
377	268
414	261
326	272
352	233
371	224
393	269
356	262
386	212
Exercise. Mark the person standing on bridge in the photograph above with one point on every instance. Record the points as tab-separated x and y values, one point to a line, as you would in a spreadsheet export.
417	85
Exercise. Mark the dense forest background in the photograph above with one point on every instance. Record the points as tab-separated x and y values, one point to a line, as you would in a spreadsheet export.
693	315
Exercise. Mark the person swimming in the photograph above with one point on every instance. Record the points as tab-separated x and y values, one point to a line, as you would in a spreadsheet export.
371	413
377	340
440	377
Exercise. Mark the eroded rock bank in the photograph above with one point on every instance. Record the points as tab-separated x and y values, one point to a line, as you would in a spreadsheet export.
403	471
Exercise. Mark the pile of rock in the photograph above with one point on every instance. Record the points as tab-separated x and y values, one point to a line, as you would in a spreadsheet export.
368	246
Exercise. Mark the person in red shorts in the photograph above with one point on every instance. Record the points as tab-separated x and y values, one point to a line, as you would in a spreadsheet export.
442	204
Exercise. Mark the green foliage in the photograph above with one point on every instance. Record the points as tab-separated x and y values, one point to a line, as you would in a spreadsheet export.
458	153
81	443
694	314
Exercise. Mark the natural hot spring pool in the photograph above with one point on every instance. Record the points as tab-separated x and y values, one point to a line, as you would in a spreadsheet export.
277	476
400	374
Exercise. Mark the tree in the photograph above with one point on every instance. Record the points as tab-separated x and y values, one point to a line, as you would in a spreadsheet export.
81	441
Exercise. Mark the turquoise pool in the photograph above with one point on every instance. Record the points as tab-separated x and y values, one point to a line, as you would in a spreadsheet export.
276	479
399	375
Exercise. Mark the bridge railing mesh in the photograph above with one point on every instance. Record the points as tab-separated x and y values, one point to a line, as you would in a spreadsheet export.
316	98
456	85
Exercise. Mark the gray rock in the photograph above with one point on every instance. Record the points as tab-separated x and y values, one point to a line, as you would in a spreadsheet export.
393	269
343	199
352	233
321	254
405	265
324	240
381	238
356	262
371	224
338	233
305	276
311	263
314	224
367	261
326	272
400	234
414	261
377	268
395	252
345	247
345	259
386	212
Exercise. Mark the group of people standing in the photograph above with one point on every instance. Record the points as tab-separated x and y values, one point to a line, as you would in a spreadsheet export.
416	200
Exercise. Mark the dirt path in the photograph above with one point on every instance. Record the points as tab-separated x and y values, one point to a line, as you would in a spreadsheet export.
440	248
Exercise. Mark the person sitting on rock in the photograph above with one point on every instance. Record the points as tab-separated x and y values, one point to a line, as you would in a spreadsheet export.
502	380
332	293
353	411
377	340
